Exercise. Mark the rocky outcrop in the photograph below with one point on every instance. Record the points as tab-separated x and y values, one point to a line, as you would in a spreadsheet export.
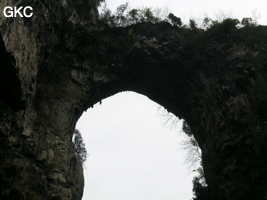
61	61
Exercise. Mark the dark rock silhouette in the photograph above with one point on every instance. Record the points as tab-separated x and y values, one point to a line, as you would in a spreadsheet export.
60	62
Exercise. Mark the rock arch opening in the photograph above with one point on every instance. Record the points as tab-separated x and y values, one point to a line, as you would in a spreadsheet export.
131	154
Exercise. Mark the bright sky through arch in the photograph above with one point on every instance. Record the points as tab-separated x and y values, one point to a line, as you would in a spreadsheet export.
132	156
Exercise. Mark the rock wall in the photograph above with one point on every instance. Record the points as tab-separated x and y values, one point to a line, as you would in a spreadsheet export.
61	61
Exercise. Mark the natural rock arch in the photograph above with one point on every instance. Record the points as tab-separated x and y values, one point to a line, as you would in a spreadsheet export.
63	62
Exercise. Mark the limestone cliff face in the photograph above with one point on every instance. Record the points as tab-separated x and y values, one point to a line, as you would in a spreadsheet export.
37	156
61	62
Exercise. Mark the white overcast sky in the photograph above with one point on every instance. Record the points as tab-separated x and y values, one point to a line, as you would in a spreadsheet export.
132	156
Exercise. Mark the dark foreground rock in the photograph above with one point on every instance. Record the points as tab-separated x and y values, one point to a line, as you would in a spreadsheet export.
60	62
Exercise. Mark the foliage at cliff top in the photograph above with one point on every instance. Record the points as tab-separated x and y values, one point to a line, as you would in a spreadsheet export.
97	2
124	16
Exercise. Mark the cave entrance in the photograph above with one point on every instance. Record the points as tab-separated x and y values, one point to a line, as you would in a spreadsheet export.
131	154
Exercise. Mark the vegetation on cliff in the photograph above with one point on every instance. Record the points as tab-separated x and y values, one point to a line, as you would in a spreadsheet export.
193	157
124	16
79	145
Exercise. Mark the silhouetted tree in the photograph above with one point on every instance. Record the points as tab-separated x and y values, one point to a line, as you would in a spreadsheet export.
192	24
193	157
200	187
186	129
97	2
125	16
175	20
80	149
248	22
